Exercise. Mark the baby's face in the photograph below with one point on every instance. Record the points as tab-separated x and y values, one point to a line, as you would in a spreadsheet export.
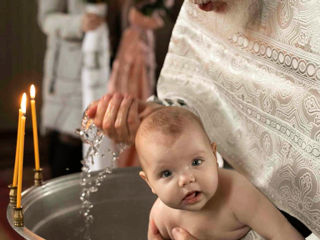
181	170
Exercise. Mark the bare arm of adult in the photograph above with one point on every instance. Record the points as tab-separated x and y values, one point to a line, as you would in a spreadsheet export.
251	207
90	22
119	115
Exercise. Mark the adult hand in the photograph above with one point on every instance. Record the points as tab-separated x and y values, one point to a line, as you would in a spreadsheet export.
91	21
119	115
178	233
136	18
181	234
153	232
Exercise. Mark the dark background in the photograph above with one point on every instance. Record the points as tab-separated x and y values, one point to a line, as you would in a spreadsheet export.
22	48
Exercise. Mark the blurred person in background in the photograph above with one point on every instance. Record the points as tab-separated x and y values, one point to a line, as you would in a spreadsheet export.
146	29
65	23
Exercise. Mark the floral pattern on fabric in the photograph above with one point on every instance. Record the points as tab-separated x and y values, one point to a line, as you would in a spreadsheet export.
254	79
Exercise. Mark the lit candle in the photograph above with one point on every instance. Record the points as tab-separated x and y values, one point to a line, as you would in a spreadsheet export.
21	148
16	162
34	127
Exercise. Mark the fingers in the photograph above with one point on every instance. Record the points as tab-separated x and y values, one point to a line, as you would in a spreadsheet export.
144	21
111	116
101	110
119	116
153	232
92	109
94	21
91	21
133	121
121	126
181	234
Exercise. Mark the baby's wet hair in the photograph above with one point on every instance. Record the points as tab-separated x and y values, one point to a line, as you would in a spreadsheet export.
170	121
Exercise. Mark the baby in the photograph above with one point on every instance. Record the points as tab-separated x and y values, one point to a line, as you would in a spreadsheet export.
180	166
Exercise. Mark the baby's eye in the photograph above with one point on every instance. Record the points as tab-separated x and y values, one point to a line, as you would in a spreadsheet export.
196	162
166	174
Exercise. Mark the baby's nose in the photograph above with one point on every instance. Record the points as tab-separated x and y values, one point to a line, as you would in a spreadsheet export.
186	178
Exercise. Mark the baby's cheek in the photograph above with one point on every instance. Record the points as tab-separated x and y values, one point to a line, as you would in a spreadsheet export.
210	183
171	202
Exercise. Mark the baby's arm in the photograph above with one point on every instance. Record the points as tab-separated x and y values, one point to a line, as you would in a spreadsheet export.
157	229
153	231
163	226
252	208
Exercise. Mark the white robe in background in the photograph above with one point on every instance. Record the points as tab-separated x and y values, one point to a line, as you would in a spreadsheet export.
95	75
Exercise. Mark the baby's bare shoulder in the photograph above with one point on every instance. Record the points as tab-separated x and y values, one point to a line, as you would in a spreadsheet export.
157	208
161	212
165	218
158	205
240	191
235	186
233	177
232	180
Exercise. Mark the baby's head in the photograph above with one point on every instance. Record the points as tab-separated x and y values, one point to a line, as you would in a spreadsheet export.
178	161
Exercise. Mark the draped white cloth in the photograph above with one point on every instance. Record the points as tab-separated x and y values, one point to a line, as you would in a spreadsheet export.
95	75
253	76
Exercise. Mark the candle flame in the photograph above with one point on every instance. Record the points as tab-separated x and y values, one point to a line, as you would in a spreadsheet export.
32	91
24	103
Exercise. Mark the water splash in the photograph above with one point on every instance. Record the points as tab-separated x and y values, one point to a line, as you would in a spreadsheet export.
90	182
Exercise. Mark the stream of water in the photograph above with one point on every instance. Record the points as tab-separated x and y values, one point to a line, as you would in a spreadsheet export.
90	182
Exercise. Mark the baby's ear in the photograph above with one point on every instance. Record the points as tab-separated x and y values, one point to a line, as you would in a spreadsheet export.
214	148
143	175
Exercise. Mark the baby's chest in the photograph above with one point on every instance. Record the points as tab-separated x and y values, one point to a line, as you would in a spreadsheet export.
209	226
202	227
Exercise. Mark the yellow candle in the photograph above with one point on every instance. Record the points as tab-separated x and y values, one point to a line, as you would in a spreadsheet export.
16	161
34	127
21	148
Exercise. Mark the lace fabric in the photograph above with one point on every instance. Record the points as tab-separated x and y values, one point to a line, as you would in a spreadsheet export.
254	80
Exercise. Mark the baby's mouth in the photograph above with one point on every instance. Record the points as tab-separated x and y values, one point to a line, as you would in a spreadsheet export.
191	197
